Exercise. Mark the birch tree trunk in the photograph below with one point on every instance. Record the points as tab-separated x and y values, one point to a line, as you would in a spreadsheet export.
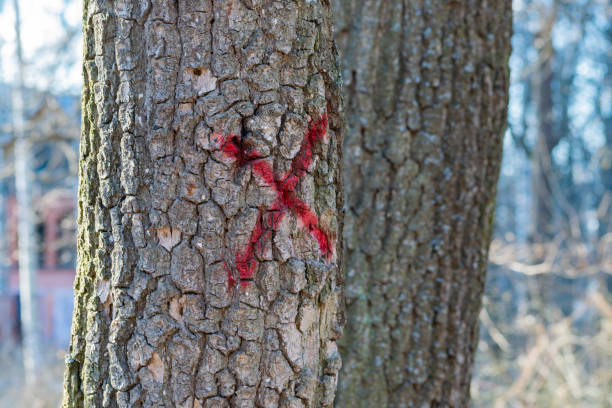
426	93
209	225
28	248
4	252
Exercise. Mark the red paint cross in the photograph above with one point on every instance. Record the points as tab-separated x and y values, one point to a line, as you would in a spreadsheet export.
286	199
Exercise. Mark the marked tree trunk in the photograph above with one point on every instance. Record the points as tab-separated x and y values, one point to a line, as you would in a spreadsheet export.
426	87
209	225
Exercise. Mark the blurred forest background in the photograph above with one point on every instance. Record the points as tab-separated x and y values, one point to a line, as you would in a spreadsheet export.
546	325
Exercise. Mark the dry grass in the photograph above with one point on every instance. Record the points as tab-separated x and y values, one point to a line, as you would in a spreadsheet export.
546	337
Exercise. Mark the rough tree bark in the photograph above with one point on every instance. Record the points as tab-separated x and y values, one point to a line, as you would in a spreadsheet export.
209	225
426	87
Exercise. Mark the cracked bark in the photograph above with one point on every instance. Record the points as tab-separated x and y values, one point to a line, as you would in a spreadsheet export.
426	87
161	315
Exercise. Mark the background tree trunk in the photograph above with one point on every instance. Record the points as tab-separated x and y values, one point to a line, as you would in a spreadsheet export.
427	91
604	213
543	212
28	248
4	248
209	227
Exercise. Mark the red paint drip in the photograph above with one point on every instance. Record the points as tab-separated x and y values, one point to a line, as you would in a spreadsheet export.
231	282
302	161
245	260
308	219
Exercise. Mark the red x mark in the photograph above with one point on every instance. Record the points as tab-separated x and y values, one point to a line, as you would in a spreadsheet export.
286	199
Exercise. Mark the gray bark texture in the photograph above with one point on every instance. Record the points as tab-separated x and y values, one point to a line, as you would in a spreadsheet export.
210	246
426	85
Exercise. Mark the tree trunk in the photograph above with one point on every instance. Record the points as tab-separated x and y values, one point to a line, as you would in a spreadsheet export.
28	248
4	251
604	212
542	226
427	90
209	218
